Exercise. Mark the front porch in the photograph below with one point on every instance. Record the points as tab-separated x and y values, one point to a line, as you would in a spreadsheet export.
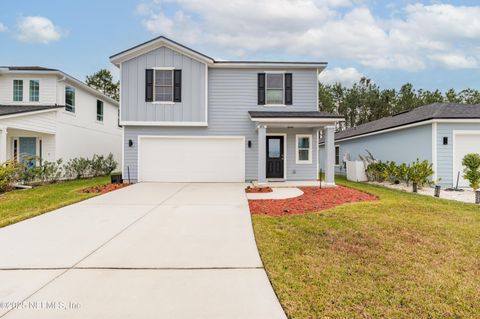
288	147
18	144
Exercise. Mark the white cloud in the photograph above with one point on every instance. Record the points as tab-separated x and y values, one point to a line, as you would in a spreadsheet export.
424	36
37	29
3	28
345	76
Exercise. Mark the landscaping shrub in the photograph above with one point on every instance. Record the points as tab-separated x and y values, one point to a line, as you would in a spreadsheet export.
376	172
109	164
50	171
77	168
9	173
403	173
472	172
420	172
390	171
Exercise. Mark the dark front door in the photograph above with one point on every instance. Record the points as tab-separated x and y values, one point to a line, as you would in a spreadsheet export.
274	156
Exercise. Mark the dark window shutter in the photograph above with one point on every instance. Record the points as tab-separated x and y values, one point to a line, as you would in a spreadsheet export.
177	86
288	89
148	85
261	88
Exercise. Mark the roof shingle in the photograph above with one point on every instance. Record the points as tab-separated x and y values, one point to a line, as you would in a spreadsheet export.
16	109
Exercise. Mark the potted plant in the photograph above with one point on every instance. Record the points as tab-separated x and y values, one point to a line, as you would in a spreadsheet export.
472	173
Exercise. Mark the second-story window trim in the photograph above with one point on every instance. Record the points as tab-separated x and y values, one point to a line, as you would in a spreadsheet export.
70	99
163	85
34	90
17	90
274	88
99	111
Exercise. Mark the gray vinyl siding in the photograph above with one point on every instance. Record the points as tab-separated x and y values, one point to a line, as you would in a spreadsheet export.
134	107
401	146
445	152
231	94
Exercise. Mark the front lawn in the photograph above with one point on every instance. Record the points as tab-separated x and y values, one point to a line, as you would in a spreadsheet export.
403	256
18	205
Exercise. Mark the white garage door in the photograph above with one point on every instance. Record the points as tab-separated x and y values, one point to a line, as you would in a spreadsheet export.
464	144
192	159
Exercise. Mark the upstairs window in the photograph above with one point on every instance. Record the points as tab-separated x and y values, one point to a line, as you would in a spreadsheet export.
275	88
99	111
163	86
70	99
34	90
18	90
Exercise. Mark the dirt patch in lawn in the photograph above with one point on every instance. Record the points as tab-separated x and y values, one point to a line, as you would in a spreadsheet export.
312	200
258	189
104	188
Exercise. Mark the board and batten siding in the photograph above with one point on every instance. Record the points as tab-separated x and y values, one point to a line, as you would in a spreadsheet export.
445	152
231	94
192	106
401	146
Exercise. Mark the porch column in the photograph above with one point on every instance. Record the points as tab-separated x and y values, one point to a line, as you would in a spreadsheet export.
262	148
3	144
328	133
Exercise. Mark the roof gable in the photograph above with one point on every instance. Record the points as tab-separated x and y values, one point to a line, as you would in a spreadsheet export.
156	43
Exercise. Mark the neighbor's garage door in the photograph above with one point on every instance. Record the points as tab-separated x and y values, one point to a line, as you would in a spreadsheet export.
464	144
192	159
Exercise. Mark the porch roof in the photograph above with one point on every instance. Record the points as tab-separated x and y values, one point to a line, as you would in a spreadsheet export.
16	109
288	117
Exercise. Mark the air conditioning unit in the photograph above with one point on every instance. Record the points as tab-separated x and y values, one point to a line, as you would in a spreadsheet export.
356	171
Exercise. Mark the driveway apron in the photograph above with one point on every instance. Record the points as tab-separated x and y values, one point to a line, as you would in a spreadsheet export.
150	250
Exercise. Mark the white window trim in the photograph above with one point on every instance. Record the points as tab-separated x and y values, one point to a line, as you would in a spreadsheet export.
103	111
74	106
297	160
30	93
13	90
155	86
335	155
283	88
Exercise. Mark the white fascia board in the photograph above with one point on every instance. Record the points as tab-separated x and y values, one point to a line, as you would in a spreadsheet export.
153	45
162	123
244	65
8	116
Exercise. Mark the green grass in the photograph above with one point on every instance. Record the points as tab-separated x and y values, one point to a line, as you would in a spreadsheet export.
18	205
403	256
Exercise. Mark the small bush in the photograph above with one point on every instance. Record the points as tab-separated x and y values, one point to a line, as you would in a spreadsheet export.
50	171
109	164
77	168
420	172
390	172
9	174
472	172
404	173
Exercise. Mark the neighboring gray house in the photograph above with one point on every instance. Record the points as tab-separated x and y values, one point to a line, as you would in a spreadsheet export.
189	118
439	133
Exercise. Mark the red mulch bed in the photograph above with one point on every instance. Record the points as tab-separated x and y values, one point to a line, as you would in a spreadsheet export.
258	189
313	200
104	188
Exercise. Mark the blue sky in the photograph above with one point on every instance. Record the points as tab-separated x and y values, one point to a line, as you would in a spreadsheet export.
432	44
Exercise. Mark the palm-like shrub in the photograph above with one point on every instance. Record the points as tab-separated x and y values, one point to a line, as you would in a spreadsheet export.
472	172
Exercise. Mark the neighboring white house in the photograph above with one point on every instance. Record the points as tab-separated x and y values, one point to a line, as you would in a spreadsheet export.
47	113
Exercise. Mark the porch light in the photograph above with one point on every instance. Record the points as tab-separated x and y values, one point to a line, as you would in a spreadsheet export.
130	143
249	143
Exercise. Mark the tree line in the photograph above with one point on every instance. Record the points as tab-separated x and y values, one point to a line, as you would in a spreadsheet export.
365	101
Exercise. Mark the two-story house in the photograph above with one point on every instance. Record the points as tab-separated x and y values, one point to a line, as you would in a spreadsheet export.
189	118
47	113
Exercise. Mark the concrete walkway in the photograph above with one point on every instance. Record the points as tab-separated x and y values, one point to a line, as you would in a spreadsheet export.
150	250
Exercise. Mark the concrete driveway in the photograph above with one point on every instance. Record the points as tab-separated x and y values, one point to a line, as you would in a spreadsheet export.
151	250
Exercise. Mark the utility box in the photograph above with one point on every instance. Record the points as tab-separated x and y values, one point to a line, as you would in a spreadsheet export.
356	171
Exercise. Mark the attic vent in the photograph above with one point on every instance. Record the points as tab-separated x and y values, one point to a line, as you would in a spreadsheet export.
402	112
